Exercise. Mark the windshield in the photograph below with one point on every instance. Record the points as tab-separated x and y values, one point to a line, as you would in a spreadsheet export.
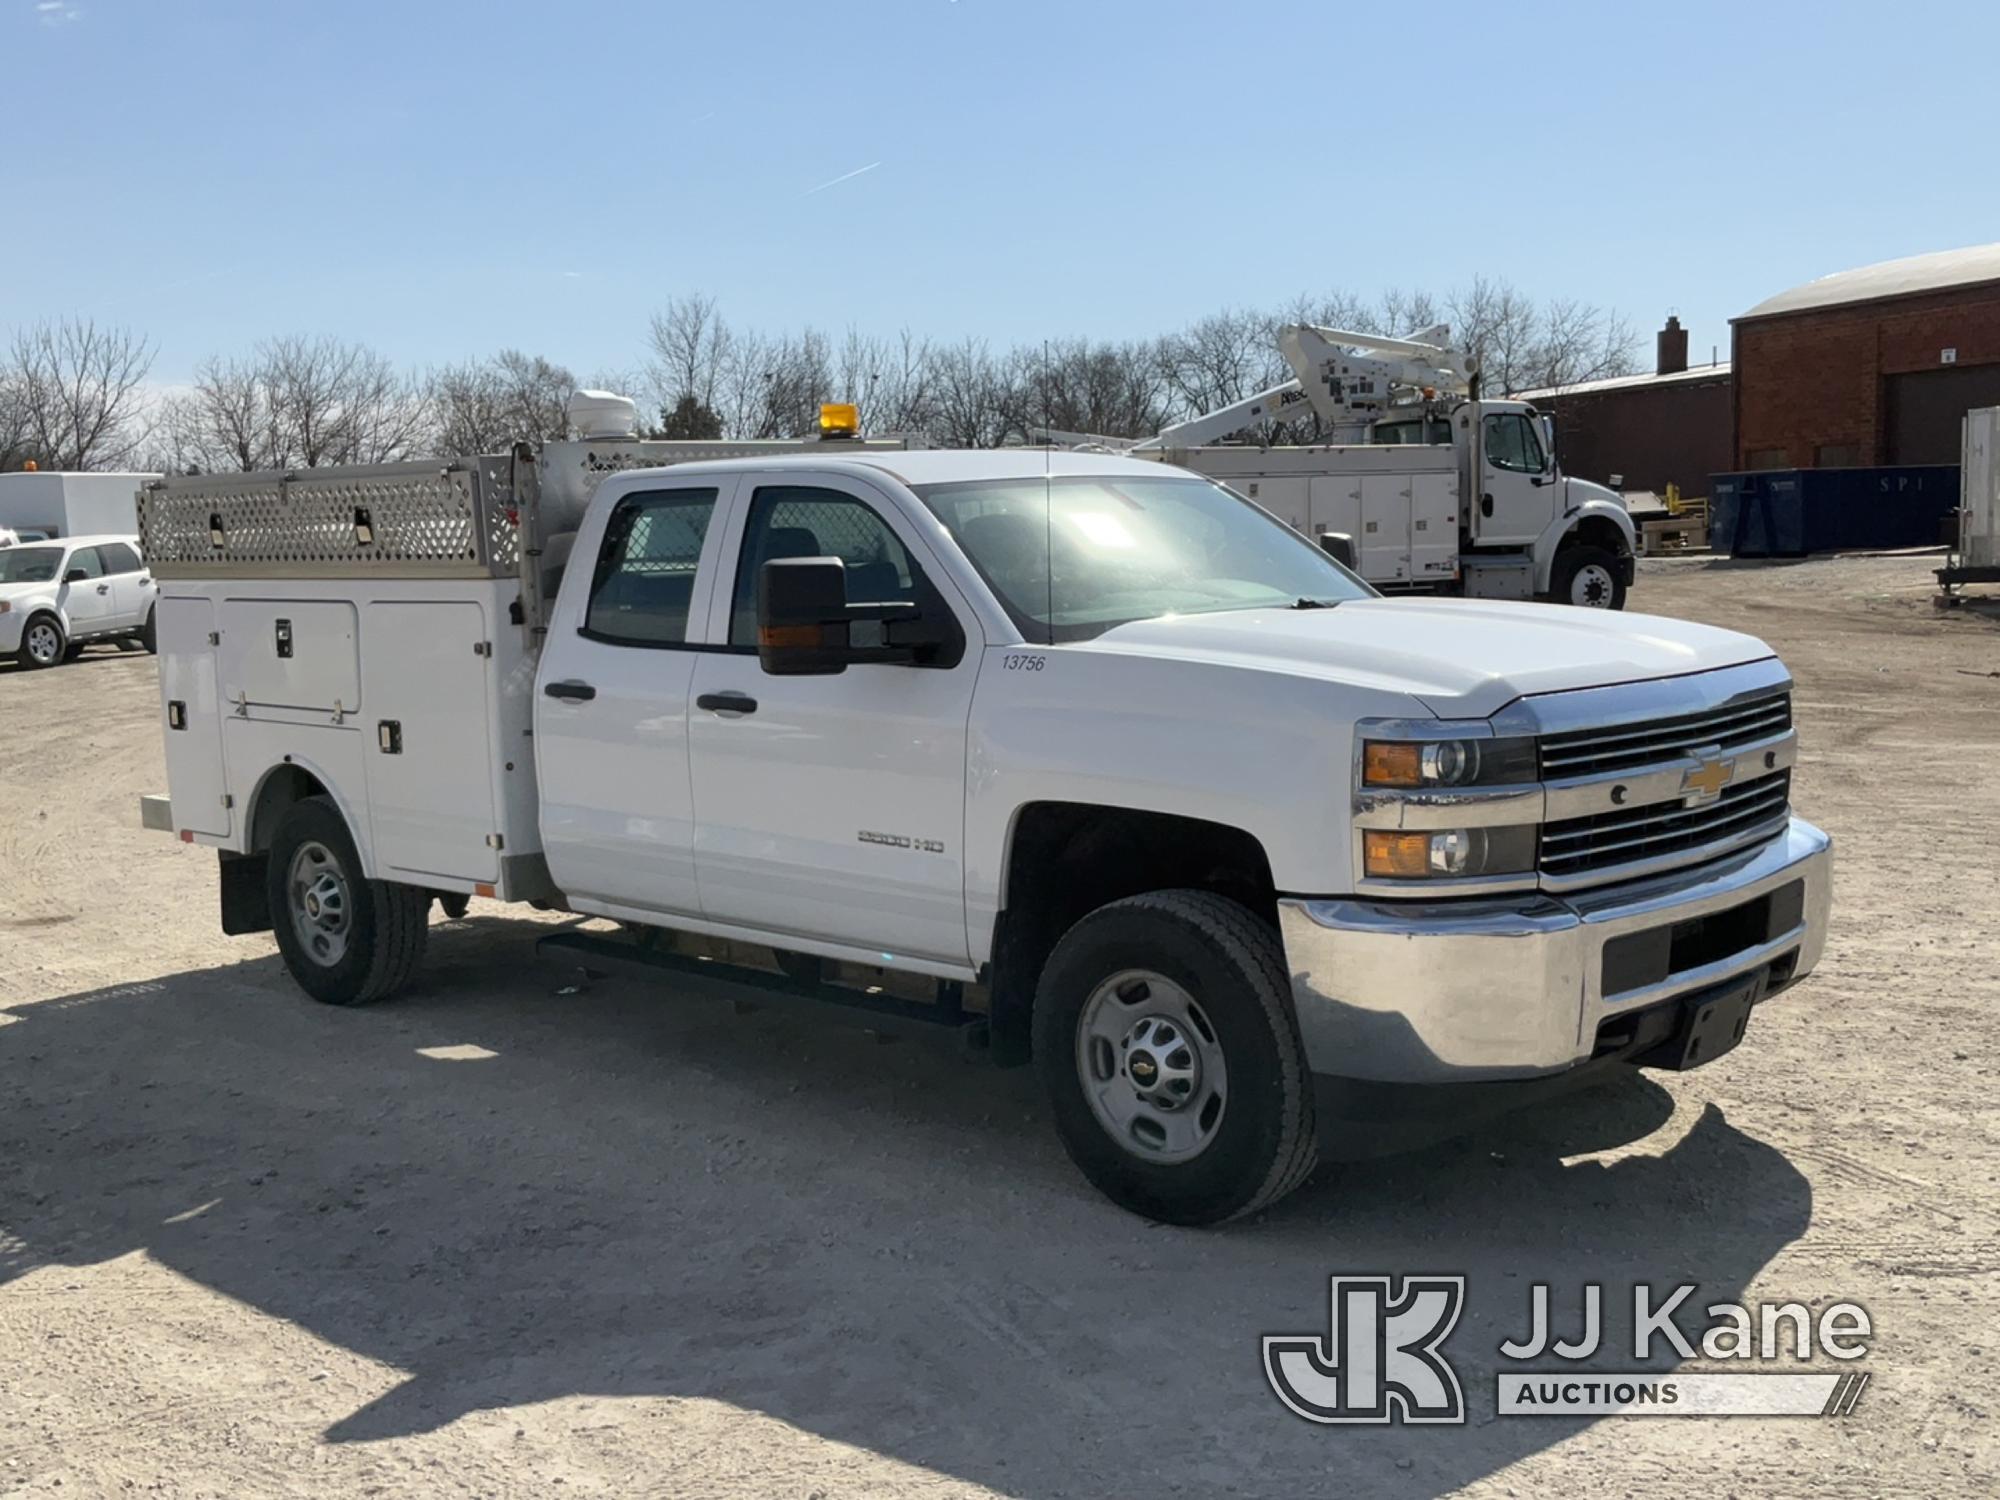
1072	557
29	564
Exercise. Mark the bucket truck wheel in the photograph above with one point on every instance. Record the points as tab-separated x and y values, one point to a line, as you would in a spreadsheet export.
1163	1032
1588	577
346	939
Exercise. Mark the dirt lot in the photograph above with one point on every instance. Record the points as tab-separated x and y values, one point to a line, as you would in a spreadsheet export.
496	1238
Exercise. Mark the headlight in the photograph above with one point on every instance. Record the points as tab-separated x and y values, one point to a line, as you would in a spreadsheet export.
1447	853
1414	764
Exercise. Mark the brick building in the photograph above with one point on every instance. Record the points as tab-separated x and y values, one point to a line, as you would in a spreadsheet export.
1645	432
1868	367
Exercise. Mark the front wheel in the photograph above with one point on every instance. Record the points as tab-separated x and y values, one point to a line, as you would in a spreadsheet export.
1164	1035
1588	577
347	940
149	635
42	643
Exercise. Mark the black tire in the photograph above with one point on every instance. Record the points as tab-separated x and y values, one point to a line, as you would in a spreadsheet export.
1604	581
384	927
1232	965
30	656
454	905
149	634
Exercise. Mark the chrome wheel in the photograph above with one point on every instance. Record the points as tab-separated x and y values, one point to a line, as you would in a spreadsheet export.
44	643
1151	1066
319	903
1593	587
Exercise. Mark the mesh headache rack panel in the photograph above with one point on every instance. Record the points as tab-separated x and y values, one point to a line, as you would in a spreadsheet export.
426	519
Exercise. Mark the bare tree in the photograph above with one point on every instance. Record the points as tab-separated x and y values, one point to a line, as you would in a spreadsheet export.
339	403
484	406
16	446
225	421
77	393
691	347
969	397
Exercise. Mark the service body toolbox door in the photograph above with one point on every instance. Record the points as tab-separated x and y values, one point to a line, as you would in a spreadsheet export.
430	763
197	778
611	703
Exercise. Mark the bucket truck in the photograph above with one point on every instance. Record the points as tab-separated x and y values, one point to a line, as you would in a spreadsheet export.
1417	482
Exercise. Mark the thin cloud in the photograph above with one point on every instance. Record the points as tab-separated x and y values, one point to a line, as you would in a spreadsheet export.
843	177
57	12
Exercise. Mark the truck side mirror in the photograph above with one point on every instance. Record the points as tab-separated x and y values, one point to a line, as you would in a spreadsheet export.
802	617
806	627
1339	546
1549	441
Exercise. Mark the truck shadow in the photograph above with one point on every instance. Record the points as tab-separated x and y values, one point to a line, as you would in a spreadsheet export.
513	1194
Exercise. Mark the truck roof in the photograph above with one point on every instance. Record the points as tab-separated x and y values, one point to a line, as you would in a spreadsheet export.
937	465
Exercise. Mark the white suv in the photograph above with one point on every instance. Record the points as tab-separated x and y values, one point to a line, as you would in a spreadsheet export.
58	595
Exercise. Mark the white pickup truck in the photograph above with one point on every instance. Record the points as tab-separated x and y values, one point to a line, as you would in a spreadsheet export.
1134	780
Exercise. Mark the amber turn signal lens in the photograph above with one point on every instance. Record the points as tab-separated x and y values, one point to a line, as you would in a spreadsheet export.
1386	853
791	637
1392	763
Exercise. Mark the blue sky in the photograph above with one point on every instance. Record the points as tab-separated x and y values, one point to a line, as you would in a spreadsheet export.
441	178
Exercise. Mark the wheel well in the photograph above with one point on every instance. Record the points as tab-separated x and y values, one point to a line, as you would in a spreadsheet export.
1597	531
1066	859
285	785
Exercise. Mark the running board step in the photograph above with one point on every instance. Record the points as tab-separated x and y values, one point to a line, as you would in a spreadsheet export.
706	980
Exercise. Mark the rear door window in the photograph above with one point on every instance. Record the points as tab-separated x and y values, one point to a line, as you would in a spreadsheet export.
118	558
643	585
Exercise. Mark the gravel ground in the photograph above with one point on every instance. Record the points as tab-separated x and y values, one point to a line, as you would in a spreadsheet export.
500	1238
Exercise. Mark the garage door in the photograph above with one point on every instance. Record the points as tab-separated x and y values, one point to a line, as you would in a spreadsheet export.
1926	408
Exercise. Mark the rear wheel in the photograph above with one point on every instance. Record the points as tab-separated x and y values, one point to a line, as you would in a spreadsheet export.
42	642
1588	577
149	635
1165	1038
347	940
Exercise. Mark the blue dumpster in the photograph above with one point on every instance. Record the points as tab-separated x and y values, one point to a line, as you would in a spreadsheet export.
1791	512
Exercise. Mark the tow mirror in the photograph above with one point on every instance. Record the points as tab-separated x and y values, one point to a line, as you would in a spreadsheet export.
1339	546
806	627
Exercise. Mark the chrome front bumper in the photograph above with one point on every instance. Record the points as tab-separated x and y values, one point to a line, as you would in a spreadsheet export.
1451	991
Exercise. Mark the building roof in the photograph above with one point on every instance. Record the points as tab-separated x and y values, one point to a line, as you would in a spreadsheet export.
1890	278
1718	371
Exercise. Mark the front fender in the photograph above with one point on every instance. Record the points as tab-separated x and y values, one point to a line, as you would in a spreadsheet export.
1550	542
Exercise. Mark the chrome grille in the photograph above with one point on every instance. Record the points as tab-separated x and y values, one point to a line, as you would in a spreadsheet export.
1625	747
1741	815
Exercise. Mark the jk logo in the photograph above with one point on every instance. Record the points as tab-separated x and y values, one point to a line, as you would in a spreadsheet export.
1380	1360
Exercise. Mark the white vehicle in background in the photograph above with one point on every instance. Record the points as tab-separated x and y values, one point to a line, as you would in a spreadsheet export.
61	503
1114	770
1418	485
56	597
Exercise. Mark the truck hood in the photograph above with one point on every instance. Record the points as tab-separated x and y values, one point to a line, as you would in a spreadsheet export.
1460	658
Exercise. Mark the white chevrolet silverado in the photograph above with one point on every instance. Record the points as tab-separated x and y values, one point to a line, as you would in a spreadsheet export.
1130	778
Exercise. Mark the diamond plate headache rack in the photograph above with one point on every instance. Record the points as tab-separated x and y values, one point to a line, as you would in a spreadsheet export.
414	520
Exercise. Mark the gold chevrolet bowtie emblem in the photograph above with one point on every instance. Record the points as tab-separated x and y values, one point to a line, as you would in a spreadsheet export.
1706	781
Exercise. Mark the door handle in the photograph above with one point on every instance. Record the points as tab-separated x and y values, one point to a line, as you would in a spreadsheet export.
571	692
104	588
727	703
